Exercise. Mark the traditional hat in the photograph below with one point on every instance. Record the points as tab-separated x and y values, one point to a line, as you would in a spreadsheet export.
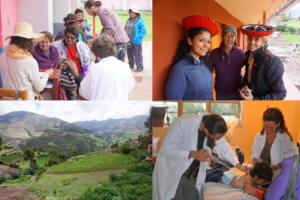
256	30
74	18
67	17
134	9
24	30
200	21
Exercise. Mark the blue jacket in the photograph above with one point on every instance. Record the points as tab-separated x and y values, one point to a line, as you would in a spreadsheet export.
139	32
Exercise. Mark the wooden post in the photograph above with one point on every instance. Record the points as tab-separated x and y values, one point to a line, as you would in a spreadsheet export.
94	25
180	108
264	18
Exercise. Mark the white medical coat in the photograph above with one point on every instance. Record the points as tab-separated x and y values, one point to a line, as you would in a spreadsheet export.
282	147
172	160
109	79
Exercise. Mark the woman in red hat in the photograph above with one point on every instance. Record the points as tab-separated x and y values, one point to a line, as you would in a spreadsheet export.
264	70
190	77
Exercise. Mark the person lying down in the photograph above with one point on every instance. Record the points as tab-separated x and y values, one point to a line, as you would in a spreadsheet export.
260	175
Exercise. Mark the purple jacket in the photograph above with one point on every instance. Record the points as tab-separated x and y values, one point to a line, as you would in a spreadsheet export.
228	71
43	61
278	187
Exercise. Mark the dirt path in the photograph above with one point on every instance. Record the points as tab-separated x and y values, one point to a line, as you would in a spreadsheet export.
16	193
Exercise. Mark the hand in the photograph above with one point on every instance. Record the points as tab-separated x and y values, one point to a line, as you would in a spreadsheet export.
249	189
55	38
242	168
275	167
61	65
246	94
201	155
49	72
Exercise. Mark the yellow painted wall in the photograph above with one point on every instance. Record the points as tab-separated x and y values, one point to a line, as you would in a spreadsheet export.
252	123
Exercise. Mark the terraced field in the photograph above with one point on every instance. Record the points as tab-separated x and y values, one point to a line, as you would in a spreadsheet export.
11	158
95	163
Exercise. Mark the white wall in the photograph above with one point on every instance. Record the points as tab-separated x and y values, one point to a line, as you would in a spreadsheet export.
61	8
74	5
37	13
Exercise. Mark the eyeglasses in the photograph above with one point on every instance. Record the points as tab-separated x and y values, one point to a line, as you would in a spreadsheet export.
72	38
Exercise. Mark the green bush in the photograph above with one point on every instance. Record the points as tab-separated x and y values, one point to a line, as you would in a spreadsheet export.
121	183
29	171
145	168
112	176
16	174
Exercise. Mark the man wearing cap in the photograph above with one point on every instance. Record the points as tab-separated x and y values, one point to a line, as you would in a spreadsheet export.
74	20
112	25
61	32
136	31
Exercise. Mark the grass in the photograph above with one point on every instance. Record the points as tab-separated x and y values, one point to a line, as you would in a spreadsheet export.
95	163
42	161
123	16
51	182
18	184
295	24
12	158
292	38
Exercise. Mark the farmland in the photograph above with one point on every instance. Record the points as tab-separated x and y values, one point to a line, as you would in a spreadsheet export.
95	163
11	158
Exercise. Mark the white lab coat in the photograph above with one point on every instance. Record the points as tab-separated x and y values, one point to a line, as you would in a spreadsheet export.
172	160
109	79
282	147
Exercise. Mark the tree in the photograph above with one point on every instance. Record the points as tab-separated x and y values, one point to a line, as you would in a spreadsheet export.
290	15
130	139
1	141
148	123
74	152
50	162
28	154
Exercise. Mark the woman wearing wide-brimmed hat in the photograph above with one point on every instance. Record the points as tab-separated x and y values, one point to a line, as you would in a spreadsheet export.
136	31
190	77
19	70
264	71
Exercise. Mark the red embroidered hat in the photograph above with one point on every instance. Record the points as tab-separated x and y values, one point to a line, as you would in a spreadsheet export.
256	30
200	21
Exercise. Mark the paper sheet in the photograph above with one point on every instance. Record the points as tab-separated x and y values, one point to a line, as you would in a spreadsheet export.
41	74
49	84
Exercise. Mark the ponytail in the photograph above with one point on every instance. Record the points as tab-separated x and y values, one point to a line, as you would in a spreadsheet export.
91	3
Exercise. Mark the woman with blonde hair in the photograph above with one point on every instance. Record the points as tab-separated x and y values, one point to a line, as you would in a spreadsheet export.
264	70
19	70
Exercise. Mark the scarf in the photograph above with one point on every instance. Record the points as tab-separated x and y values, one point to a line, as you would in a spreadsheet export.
250	62
46	53
14	51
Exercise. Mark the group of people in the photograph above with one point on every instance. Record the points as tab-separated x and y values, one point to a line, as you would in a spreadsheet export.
105	78
181	164
190	77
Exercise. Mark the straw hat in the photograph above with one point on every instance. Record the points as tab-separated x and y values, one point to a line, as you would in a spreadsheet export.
134	9
24	30
74	18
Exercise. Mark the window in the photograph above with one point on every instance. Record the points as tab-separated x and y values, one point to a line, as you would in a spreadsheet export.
193	108
172	110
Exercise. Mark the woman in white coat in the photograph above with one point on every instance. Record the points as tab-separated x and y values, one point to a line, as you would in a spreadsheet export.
180	149
274	143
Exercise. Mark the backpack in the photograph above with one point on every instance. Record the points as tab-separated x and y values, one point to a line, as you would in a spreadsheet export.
290	191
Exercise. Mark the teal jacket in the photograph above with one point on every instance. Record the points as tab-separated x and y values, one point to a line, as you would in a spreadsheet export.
139	32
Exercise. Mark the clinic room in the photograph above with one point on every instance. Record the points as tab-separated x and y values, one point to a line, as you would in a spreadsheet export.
227	149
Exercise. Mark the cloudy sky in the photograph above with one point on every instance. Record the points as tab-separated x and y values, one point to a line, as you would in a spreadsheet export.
73	111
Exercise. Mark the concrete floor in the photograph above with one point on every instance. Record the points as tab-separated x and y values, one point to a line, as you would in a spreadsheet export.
143	88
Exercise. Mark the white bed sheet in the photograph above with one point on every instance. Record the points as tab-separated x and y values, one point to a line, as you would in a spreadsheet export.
220	191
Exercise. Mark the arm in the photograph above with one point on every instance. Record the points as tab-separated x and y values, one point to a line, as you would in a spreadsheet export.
37	82
176	83
86	55
238	182
107	23
170	147
278	187
130	80
223	148
255	150
87	86
142	29
273	77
